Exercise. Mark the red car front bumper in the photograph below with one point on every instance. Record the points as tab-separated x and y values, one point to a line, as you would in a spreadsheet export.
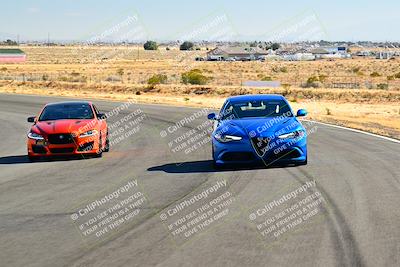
74	146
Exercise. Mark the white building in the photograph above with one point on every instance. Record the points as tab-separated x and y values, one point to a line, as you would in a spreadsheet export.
385	55
330	52
236	53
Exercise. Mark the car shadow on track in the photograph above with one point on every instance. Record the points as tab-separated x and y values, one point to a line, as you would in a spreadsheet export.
14	160
207	166
23	159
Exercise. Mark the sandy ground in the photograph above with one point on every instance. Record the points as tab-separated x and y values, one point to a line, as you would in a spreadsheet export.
383	119
80	71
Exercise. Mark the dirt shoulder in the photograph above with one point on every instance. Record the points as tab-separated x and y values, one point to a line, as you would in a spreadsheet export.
379	118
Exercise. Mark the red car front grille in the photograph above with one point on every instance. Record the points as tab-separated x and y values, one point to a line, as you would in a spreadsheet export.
61	150
60	139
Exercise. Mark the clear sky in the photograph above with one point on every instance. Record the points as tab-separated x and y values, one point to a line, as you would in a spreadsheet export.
171	19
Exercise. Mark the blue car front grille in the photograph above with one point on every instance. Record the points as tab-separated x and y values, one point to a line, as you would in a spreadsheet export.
260	145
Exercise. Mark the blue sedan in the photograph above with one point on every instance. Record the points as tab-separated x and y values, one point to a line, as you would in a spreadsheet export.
256	129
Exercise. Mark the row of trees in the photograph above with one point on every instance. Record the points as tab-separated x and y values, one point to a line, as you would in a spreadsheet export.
9	42
194	76
151	45
267	46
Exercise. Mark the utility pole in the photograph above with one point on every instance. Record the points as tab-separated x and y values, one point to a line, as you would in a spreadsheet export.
48	39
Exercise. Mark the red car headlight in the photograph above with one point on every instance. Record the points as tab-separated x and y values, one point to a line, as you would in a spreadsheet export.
35	136
89	133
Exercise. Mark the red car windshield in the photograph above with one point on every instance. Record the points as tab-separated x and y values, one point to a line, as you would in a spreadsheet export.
66	112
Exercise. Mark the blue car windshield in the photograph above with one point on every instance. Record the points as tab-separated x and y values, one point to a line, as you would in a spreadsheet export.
67	111
256	109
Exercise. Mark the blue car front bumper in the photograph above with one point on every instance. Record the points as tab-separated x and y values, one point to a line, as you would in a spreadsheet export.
246	151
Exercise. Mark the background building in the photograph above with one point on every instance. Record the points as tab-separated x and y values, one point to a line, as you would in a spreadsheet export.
236	53
330	52
12	55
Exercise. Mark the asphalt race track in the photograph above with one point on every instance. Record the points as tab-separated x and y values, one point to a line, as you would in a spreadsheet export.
356	223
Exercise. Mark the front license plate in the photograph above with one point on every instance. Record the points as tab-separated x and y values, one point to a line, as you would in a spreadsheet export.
41	142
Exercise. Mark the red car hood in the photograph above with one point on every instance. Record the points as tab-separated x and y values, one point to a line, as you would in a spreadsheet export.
64	126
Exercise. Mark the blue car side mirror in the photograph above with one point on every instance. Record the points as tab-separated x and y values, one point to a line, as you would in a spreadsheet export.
302	113
212	116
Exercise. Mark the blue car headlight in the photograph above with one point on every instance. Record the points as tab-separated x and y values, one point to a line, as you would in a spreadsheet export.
35	136
292	135
227	138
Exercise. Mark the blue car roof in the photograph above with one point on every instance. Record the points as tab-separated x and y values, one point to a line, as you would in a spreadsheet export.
255	97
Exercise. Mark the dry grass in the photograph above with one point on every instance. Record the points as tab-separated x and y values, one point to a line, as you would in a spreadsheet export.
122	72
97	64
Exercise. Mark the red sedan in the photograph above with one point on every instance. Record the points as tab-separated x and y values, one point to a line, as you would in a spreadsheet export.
68	128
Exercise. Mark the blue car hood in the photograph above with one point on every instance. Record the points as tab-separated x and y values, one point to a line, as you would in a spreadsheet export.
259	127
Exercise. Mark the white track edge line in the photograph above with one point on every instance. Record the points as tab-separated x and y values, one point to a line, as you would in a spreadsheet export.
356	131
164	105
